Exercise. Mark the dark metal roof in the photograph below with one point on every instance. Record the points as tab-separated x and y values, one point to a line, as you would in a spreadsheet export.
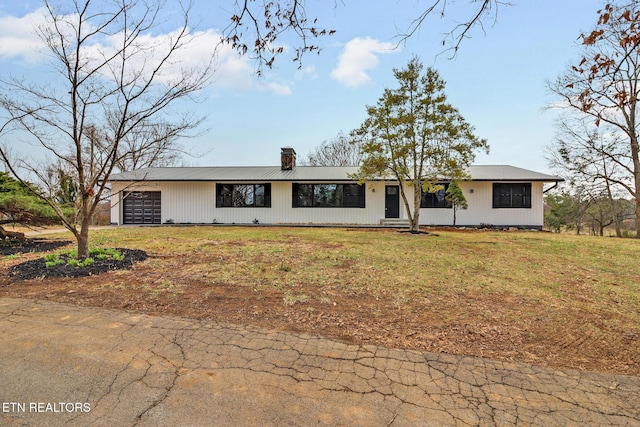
307	173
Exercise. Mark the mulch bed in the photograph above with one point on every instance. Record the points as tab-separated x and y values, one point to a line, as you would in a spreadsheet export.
12	247
37	268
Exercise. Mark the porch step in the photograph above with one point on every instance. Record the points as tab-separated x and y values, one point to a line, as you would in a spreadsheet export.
394	222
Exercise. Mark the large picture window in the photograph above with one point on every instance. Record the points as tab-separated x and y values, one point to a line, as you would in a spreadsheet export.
436	199
243	196
328	196
515	195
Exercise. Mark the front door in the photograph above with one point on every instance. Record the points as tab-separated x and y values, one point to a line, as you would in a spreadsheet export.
392	201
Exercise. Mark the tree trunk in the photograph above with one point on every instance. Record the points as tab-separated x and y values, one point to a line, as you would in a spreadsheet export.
83	240
618	225
635	156
612	202
83	236
413	218
636	173
417	196
637	217
4	235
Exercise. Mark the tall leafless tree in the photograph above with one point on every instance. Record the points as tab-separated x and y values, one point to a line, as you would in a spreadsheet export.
153	145
604	86
592	159
111	82
338	151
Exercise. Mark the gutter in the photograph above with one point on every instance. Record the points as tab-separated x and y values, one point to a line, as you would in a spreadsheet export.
551	188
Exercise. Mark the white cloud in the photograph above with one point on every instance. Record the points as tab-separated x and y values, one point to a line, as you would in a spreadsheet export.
18	40
359	56
276	88
307	71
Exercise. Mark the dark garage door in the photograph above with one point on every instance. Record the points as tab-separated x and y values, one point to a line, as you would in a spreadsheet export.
142	207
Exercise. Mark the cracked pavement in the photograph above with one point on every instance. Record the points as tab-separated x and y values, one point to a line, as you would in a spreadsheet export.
103	367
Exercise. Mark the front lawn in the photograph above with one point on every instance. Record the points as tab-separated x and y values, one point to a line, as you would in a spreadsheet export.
553	300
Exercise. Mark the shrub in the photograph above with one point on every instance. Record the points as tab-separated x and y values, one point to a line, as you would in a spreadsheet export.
51	260
51	257
71	258
86	262
53	263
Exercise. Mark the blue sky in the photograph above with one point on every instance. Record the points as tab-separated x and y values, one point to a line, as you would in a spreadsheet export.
497	80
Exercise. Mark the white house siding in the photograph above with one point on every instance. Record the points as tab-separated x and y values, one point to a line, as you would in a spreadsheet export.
481	209
283	212
195	202
182	202
188	202
115	204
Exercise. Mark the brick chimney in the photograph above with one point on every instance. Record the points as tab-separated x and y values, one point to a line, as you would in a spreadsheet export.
287	158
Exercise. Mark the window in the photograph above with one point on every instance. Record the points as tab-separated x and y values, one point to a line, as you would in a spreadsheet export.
352	195
435	199
517	195
328	196
243	196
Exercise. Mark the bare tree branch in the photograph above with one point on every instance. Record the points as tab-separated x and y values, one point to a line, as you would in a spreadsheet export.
603	88
257	25
480	10
109	94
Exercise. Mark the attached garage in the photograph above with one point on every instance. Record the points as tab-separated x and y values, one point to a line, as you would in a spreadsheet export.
142	207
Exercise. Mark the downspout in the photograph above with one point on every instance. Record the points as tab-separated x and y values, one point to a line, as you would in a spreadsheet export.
550	188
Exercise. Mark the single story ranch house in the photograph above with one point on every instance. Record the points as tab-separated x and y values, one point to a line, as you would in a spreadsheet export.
502	196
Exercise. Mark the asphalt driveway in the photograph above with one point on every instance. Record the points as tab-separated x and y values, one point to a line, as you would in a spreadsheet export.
75	366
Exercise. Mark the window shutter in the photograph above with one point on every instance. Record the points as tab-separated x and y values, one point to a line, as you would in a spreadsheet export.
294	195
361	195
218	195
267	195
496	195
527	195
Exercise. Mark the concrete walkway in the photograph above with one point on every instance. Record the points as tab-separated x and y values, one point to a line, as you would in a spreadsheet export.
74	366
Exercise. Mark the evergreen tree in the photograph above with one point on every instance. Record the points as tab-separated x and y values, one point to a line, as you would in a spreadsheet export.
455	196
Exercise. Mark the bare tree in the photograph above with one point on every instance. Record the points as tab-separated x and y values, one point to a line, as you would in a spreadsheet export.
152	145
112	82
604	87
339	151
257	25
593	159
